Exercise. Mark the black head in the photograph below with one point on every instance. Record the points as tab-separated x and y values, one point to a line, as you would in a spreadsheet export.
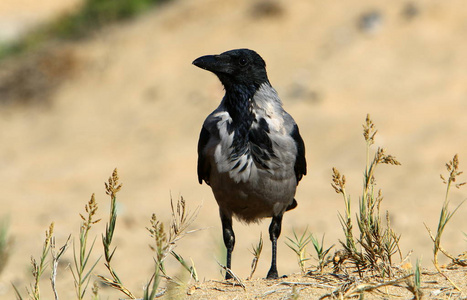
235	67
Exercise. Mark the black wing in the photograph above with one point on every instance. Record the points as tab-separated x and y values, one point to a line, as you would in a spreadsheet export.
204	168
300	161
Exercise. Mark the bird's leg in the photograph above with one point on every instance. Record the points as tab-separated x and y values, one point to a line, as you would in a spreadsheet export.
229	240
274	232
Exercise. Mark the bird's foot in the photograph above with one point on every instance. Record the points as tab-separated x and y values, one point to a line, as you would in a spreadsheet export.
228	276
272	274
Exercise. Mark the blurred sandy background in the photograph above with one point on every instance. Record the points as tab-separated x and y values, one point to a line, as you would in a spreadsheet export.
132	100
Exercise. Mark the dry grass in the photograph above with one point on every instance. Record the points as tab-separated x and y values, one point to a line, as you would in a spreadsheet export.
82	268
38	267
445	215
165	243
112	187
56	256
81	276
256	251
375	244
364	266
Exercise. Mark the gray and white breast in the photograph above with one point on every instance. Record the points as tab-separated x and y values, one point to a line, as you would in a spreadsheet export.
267	150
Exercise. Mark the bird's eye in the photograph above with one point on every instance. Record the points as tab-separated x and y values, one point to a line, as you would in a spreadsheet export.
243	62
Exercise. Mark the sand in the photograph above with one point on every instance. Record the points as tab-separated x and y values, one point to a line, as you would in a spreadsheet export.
132	100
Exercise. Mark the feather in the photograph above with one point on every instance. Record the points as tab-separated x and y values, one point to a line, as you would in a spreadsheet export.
204	168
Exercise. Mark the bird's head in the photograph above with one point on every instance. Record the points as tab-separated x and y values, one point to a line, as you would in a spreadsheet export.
235	67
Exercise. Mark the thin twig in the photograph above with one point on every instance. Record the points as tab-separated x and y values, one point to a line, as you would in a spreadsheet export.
325	286
355	291
55	258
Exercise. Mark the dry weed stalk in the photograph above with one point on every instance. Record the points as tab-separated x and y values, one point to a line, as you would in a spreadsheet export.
377	244
82	270
445	215
111	189
55	259
338	183
81	276
165	242
256	251
38	268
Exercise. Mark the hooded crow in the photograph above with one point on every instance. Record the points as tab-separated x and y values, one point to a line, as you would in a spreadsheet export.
250	150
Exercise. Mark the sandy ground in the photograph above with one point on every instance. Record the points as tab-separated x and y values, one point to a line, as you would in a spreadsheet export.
134	101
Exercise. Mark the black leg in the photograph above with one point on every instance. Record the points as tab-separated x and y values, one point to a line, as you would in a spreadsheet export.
229	240
274	233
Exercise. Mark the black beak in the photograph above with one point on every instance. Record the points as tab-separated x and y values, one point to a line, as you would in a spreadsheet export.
214	63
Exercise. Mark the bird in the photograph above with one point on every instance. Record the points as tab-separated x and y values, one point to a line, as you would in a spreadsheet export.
250	151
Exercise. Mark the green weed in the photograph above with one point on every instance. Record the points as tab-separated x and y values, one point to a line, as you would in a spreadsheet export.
414	285
323	255
298	245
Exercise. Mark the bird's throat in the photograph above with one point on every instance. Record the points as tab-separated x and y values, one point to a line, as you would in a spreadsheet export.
238	102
